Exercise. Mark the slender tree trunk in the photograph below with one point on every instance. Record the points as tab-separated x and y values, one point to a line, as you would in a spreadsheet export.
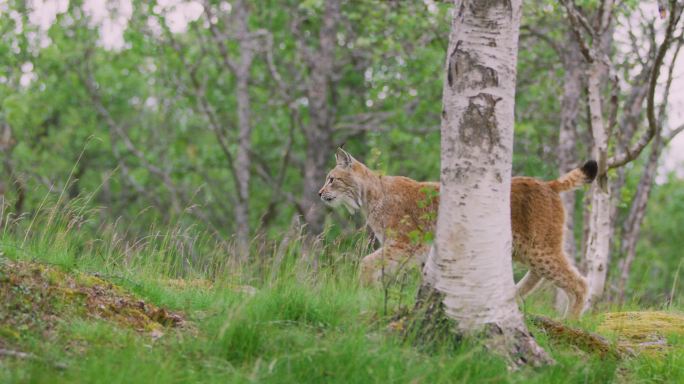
318	151
243	162
468	275
318	132
567	145
567	148
598	240
637	211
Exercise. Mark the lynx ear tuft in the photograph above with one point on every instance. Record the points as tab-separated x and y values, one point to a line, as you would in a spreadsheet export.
343	158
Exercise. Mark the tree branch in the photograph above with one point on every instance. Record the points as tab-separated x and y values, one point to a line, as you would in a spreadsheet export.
653	126
577	23
673	133
114	126
531	31
206	109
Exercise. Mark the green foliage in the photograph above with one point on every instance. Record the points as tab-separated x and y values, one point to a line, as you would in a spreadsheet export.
658	269
389	62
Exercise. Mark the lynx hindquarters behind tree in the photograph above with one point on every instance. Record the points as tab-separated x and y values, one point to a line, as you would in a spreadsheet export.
401	211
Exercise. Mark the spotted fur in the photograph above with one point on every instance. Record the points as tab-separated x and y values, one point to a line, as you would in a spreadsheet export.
400	211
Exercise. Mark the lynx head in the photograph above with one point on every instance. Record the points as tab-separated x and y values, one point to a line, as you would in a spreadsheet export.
343	184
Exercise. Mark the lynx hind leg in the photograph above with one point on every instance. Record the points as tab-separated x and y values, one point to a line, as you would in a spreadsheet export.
385	262
528	284
577	299
555	267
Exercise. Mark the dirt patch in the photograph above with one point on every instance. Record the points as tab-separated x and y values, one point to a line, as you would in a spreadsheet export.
35	297
644	332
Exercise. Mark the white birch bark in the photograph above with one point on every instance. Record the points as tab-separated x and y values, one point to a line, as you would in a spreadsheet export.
471	260
470	263
567	146
598	240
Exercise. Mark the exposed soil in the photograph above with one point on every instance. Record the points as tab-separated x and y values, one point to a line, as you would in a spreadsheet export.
35	297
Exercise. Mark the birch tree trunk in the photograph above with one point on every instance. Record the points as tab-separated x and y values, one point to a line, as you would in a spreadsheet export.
567	137
468	276
598	240
567	145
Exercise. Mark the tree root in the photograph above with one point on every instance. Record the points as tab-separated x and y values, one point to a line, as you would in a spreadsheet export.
586	341
516	345
428	324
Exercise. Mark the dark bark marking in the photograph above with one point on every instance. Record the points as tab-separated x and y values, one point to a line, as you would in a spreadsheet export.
473	75
480	8
457	174
451	67
478	124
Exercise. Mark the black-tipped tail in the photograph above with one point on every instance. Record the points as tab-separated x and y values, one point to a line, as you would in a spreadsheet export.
575	178
590	170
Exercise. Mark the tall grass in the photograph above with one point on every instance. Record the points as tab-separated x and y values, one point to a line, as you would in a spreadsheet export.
292	313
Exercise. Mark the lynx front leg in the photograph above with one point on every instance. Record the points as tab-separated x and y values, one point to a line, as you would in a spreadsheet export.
385	262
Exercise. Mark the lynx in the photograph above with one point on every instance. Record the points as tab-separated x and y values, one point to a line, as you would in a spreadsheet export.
401	212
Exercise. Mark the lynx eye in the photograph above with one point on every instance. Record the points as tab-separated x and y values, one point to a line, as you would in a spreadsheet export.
330	180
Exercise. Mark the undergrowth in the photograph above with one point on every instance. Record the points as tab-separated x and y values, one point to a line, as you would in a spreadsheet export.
290	314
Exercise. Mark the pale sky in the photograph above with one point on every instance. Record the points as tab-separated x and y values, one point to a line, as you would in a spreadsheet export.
110	17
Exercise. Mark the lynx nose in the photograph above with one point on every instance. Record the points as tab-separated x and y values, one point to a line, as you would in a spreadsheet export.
320	192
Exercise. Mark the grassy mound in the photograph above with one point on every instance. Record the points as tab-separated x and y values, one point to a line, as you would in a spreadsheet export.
35	297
